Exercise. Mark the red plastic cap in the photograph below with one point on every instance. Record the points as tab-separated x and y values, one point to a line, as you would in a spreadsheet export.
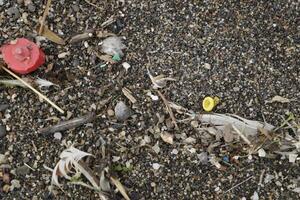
22	56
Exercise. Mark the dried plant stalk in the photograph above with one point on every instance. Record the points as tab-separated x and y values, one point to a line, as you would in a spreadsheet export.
44	16
34	90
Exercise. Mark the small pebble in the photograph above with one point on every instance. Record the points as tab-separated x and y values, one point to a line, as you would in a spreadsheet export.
122	112
194	124
207	66
15	184
57	135
13	12
110	112
156	166
31	7
203	157
3	159
3	107
174	152
22	170
2	131
1	2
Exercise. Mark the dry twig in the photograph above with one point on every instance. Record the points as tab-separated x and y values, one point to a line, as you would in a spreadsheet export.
166	102
34	90
65	125
44	16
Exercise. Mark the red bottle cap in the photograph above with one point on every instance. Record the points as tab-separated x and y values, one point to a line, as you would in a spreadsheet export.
22	56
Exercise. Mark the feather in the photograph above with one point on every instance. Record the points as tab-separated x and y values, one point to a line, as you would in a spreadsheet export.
247	127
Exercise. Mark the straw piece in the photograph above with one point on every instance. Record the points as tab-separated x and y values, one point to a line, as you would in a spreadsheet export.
44	16
34	90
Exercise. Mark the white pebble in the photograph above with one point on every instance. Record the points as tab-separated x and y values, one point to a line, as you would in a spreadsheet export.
57	135
156	166
174	152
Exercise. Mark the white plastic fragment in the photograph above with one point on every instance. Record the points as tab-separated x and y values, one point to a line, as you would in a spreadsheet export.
292	157
126	66
255	196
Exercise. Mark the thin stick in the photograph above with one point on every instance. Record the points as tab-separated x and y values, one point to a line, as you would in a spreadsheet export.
241	135
168	109
34	90
261	179
239	184
90	3
44	16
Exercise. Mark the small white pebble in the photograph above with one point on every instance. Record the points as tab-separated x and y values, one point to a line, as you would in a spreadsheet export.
86	44
116	158
174	152
57	135
63	55
261	153
156	166
207	66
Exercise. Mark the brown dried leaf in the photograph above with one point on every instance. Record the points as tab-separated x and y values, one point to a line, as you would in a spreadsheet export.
106	58
47	33
279	99
128	94
120	187
167	137
81	37
104	34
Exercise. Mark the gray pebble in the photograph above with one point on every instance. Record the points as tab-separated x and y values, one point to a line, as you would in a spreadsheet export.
75	8
236	89
3	159
3	107
122	112
1	2
13	12
2	131
207	66
203	157
31	7
22	171
15	184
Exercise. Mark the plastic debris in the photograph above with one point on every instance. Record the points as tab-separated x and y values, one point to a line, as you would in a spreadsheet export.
22	56
209	103
113	46
116	58
126	66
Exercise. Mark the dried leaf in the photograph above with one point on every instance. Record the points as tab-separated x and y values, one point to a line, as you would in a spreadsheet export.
106	58
104	34
128	94
81	37
279	99
120	187
47	33
167	137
